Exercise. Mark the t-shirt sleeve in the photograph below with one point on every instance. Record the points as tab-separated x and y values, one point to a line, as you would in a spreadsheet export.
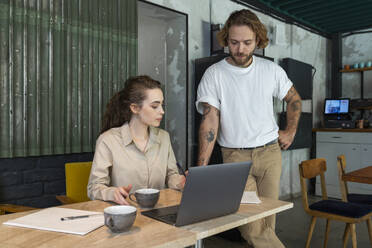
283	83
207	92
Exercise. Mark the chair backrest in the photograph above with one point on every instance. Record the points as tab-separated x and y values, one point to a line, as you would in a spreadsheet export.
341	166
77	176
309	169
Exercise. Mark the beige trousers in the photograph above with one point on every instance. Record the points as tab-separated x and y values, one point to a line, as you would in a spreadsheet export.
264	178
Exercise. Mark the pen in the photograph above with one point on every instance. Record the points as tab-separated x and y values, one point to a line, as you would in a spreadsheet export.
181	169
78	217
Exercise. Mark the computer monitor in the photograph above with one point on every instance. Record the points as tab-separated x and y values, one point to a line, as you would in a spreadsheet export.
336	106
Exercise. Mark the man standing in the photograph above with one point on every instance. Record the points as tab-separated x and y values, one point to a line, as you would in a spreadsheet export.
235	97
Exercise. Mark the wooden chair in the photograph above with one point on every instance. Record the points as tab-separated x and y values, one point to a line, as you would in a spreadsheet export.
346	196
11	208
347	212
77	176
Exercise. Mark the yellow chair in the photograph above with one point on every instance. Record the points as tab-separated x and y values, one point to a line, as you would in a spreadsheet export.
77	176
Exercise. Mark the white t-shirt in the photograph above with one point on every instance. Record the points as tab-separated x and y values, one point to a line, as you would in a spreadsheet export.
244	97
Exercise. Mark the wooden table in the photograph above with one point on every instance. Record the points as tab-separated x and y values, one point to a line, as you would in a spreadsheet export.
146	232
363	175
247	213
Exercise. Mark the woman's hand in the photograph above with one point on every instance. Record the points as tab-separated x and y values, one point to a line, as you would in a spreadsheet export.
121	193
182	182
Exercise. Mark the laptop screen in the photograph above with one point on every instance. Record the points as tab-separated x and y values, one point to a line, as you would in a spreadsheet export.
210	191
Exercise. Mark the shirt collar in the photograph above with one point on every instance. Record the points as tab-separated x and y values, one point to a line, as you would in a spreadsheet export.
127	136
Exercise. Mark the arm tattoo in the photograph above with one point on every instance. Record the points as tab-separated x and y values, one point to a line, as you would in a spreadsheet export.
207	110
293	100
296	106
210	136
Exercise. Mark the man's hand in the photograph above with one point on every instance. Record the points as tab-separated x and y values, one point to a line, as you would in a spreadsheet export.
121	193
285	139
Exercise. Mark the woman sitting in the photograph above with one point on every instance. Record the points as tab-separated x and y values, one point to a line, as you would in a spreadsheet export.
131	152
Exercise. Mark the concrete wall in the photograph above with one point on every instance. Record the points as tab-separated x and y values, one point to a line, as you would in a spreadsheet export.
291	41
162	55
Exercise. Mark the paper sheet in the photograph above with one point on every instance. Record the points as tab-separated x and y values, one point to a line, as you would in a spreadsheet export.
250	197
50	219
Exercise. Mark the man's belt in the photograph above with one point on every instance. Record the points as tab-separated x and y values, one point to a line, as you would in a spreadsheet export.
251	148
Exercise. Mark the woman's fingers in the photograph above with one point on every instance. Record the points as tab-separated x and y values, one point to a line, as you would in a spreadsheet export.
123	191
119	198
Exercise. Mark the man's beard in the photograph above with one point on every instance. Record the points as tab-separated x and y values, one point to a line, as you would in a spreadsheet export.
241	62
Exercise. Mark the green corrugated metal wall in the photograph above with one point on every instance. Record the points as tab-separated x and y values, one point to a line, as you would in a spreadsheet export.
60	62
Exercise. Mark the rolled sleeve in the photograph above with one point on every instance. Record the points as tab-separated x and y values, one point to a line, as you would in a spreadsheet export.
207	92
99	179
283	83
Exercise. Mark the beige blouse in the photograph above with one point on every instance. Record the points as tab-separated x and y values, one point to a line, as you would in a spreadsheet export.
118	162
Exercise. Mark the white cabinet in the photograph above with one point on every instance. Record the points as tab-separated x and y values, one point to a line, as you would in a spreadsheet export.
357	148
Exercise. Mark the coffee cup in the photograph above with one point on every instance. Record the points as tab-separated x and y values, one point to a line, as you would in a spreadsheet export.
119	218
146	198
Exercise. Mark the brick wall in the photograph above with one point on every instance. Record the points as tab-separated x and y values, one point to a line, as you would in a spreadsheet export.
35	181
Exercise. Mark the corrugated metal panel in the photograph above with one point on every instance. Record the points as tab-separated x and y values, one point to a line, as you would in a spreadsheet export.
60	62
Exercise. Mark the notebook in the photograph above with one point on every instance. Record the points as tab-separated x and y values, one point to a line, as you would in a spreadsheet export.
210	191
49	219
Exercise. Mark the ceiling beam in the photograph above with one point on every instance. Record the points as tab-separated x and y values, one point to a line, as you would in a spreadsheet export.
344	20
341	15
347	25
276	3
367	26
346	9
288	3
317	6
296	7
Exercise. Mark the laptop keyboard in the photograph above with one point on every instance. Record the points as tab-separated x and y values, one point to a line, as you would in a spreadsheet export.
166	214
169	218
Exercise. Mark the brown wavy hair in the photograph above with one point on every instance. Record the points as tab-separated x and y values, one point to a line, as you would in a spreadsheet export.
118	108
244	17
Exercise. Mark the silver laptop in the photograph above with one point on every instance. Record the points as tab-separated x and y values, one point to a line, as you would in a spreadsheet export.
210	191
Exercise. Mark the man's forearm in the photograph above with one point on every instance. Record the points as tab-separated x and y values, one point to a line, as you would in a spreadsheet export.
207	139
208	133
293	114
293	100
